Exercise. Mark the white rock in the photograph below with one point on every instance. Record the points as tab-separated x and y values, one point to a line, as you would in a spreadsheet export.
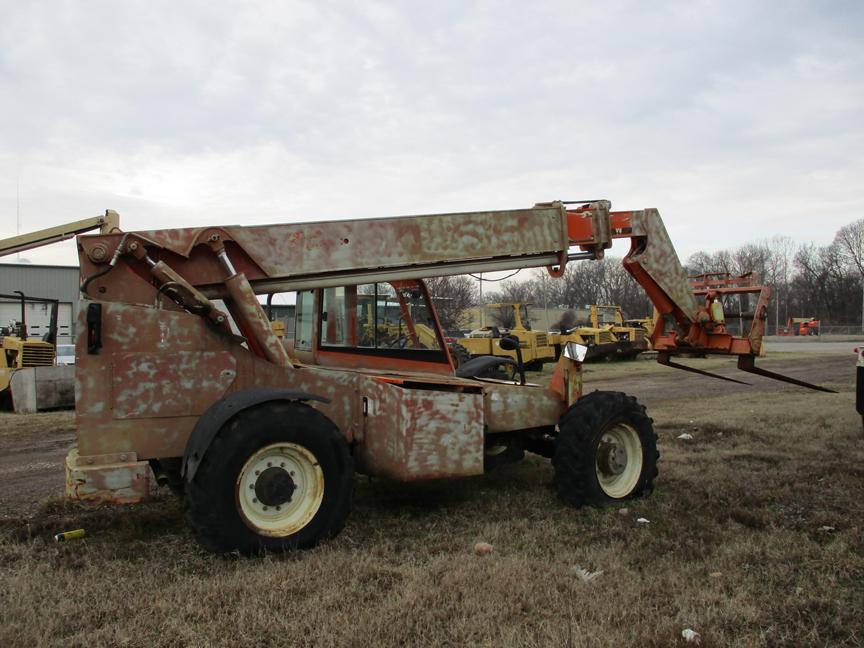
691	636
643	520
827	529
685	435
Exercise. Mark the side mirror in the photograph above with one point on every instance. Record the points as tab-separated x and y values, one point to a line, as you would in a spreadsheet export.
576	352
511	343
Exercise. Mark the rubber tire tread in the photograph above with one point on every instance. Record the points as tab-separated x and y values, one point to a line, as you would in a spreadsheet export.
580	430
211	511
459	354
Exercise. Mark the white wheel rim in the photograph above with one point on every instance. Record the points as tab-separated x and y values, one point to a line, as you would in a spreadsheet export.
280	489
619	460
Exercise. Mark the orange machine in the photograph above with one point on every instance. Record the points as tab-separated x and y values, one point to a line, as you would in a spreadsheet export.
800	326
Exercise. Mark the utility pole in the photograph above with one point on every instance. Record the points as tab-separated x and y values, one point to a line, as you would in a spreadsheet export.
777	310
18	212
483	310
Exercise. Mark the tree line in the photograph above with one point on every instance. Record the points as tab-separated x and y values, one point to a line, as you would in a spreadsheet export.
807	280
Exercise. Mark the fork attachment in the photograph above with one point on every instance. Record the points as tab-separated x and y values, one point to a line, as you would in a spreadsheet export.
664	358
748	363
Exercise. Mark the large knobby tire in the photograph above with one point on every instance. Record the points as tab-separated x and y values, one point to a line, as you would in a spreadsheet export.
278	476
459	354
606	451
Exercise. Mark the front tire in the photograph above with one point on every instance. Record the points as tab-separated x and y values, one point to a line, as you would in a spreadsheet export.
606	451
276	477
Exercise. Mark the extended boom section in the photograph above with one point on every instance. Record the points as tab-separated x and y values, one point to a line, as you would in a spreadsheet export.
285	257
234	263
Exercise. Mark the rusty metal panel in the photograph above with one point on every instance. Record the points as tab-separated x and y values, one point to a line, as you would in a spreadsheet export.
168	367
520	407
147	385
415	434
118	478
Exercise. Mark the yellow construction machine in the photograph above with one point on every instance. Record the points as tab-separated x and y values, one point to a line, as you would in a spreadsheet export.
17	350
631	339
534	345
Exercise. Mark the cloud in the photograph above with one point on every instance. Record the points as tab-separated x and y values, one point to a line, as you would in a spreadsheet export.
738	120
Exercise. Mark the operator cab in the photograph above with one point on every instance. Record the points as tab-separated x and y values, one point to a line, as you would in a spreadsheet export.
390	325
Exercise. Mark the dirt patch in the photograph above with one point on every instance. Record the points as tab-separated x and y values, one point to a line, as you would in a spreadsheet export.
33	451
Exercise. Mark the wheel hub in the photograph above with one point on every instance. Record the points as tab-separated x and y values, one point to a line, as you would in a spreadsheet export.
612	458
619	460
274	487
279	489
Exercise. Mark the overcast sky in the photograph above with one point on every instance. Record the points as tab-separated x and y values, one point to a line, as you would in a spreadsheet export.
738	120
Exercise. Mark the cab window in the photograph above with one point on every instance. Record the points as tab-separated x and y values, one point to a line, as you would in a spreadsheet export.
381	316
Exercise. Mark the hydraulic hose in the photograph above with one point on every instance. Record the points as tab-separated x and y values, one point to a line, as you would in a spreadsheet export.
88	280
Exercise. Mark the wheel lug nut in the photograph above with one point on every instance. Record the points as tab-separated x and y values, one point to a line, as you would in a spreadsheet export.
257	472
251	486
292	473
278	508
269	464
282	465
254	500
265	508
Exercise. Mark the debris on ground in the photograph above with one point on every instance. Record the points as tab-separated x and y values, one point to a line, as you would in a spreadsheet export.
624	511
585	575
691	636
643	520
715	574
686	436
69	535
483	548
827	529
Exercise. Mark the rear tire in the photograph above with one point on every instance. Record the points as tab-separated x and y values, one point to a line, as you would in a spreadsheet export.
276	477
606	451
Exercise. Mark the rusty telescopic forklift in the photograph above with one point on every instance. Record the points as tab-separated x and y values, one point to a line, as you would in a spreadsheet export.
181	376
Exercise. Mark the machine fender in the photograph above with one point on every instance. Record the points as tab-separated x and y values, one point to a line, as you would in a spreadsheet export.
222	411
477	366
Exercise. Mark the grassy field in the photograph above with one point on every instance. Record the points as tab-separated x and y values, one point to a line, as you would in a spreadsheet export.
754	538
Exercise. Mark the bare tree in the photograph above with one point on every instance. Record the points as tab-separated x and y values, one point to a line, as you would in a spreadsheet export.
849	242
453	297
780	252
503	316
518	291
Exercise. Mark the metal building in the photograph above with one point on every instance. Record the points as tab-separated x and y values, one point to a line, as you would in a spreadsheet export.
47	282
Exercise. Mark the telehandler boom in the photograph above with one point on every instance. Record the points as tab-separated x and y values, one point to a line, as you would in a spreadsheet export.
180	373
30	240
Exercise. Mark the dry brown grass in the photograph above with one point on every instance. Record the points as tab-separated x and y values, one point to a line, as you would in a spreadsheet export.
733	550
